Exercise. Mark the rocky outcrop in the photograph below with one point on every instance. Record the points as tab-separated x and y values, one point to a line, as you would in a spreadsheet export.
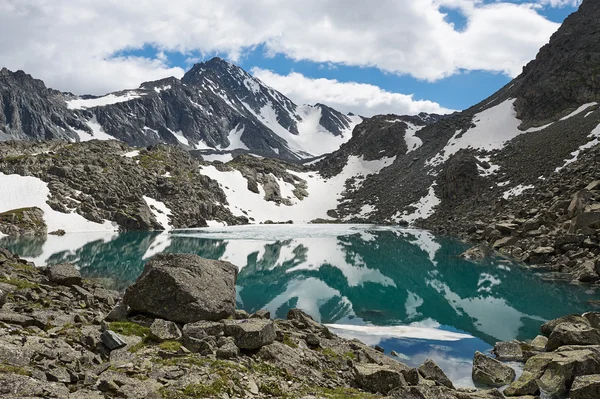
184	288
566	365
107	180
23	222
64	274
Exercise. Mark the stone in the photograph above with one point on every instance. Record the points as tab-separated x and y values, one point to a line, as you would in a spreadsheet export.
312	340
64	274
261	314
578	202
584	221
112	340
19	319
565	365
228	351
201	329
586	272
5	289
549	326
573	334
23	222
508	351
593	318
526	384
163	330
477	252
586	387
241	314
491	372
252	333
594	185
504	242
431	371
184	288
422	392
539	343
506	228
204	346
378	379
543	251
118	313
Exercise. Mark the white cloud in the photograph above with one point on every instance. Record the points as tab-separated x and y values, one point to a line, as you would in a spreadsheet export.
359	98
560	3
71	44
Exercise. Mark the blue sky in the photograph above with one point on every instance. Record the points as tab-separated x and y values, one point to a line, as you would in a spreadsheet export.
400	56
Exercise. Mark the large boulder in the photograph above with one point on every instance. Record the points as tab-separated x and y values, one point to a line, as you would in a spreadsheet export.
64	274
375	378
573	334
586	387
251	333
491	372
184	288
549	326
508	351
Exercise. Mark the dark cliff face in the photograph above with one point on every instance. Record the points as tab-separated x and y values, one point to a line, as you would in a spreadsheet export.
216	105
29	110
566	71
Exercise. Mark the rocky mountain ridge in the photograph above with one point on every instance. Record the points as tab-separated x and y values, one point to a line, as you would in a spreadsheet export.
215	106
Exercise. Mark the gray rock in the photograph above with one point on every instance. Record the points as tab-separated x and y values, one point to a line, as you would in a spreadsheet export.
593	318
201	329
251	333
19	319
5	289
477	252
112	340
261	314
378	379
228	351
491	372
184	288
586	387
431	371
508	351
204	346
163	330
118	313
573	334
64	274
422	392
539	343
549	326
241	314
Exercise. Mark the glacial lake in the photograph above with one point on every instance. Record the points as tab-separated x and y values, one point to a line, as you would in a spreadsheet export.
405	290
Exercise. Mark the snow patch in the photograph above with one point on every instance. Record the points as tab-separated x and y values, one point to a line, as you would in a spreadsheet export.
160	212
217	157
595	136
98	132
132	154
235	139
180	137
579	110
425	207
516	191
414	332
81	103
26	192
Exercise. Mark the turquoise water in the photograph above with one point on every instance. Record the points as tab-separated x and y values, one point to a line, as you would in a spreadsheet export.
405	290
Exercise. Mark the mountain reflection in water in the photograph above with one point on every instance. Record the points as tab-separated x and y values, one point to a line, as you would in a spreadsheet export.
350	275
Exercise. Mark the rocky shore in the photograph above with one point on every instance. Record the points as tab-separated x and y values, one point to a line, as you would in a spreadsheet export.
175	333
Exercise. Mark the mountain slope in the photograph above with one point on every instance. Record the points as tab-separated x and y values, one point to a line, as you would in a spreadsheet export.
215	106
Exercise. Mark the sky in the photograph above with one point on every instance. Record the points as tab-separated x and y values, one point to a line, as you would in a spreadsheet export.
389	56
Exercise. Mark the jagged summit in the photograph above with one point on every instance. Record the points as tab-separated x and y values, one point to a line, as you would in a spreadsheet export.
216	106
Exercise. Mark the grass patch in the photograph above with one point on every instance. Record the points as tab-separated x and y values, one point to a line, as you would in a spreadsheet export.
339	393
10	369
172	346
19	283
271	388
129	328
329	352
350	355
287	340
214	389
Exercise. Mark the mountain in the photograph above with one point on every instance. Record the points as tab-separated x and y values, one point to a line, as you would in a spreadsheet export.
215	106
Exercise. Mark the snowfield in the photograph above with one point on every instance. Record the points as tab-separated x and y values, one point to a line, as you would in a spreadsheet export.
324	194
109	99
26	191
